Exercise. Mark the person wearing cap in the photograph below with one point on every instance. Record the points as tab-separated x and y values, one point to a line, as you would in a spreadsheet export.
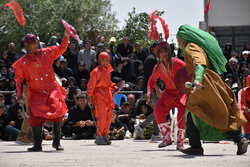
170	98
212	112
46	96
100	95
99	49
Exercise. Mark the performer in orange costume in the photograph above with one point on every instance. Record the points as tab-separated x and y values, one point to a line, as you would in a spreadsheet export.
245	107
99	92
46	96
166	70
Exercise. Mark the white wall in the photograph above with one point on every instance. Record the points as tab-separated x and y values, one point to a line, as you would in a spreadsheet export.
229	13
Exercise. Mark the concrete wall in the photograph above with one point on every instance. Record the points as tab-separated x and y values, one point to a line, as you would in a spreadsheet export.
229	13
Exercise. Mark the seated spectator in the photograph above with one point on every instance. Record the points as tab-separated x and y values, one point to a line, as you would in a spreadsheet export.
116	130
245	57
12	56
130	69
6	60
83	84
3	122
3	83
124	49
64	71
99	49
72	92
53	42
15	119
81	73
131	100
71	56
80	121
88	56
126	118
140	53
142	109
227	51
232	68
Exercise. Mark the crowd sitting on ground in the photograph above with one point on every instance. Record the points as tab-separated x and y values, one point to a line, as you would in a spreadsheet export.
74	67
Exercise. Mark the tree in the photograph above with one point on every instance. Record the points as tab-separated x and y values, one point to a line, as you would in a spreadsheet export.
89	17
136	28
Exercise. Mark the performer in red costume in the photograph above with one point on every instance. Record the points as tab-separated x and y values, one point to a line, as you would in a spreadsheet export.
100	95
245	107
46	96
171	97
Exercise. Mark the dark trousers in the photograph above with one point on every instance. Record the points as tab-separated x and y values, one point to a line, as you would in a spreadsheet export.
194	134
84	133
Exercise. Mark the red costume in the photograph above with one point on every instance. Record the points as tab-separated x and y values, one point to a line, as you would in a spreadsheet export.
46	96
99	88
246	103
170	98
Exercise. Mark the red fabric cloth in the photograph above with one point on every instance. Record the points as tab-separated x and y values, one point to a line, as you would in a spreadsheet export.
246	126
171	97
18	11
46	98
169	100
153	33
99	88
103	55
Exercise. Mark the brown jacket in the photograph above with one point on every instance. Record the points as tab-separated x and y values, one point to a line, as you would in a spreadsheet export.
216	104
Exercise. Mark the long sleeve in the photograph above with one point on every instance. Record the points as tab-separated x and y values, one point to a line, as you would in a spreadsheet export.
57	51
19	76
153	79
199	73
92	83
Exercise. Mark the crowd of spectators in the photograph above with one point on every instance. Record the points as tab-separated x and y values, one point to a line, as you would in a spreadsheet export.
131	63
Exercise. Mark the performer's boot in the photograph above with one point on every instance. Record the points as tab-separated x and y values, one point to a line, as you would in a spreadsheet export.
99	140
106	138
57	136
242	146
180	138
165	131
37	135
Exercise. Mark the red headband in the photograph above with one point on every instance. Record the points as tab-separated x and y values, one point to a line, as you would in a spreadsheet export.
103	55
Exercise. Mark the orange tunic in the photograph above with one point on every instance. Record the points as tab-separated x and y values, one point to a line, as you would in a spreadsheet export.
46	98
99	88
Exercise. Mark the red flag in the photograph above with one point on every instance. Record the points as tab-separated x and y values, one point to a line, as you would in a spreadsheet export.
207	8
18	11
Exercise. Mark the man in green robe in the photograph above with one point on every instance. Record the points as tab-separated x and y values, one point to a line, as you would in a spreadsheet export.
212	112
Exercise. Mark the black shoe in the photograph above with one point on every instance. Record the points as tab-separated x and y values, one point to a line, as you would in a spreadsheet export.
107	140
242	146
35	149
100	141
58	147
192	151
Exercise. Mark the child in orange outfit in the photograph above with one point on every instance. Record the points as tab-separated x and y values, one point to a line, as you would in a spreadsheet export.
100	95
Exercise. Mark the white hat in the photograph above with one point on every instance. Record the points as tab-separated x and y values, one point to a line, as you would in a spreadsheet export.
112	39
245	52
